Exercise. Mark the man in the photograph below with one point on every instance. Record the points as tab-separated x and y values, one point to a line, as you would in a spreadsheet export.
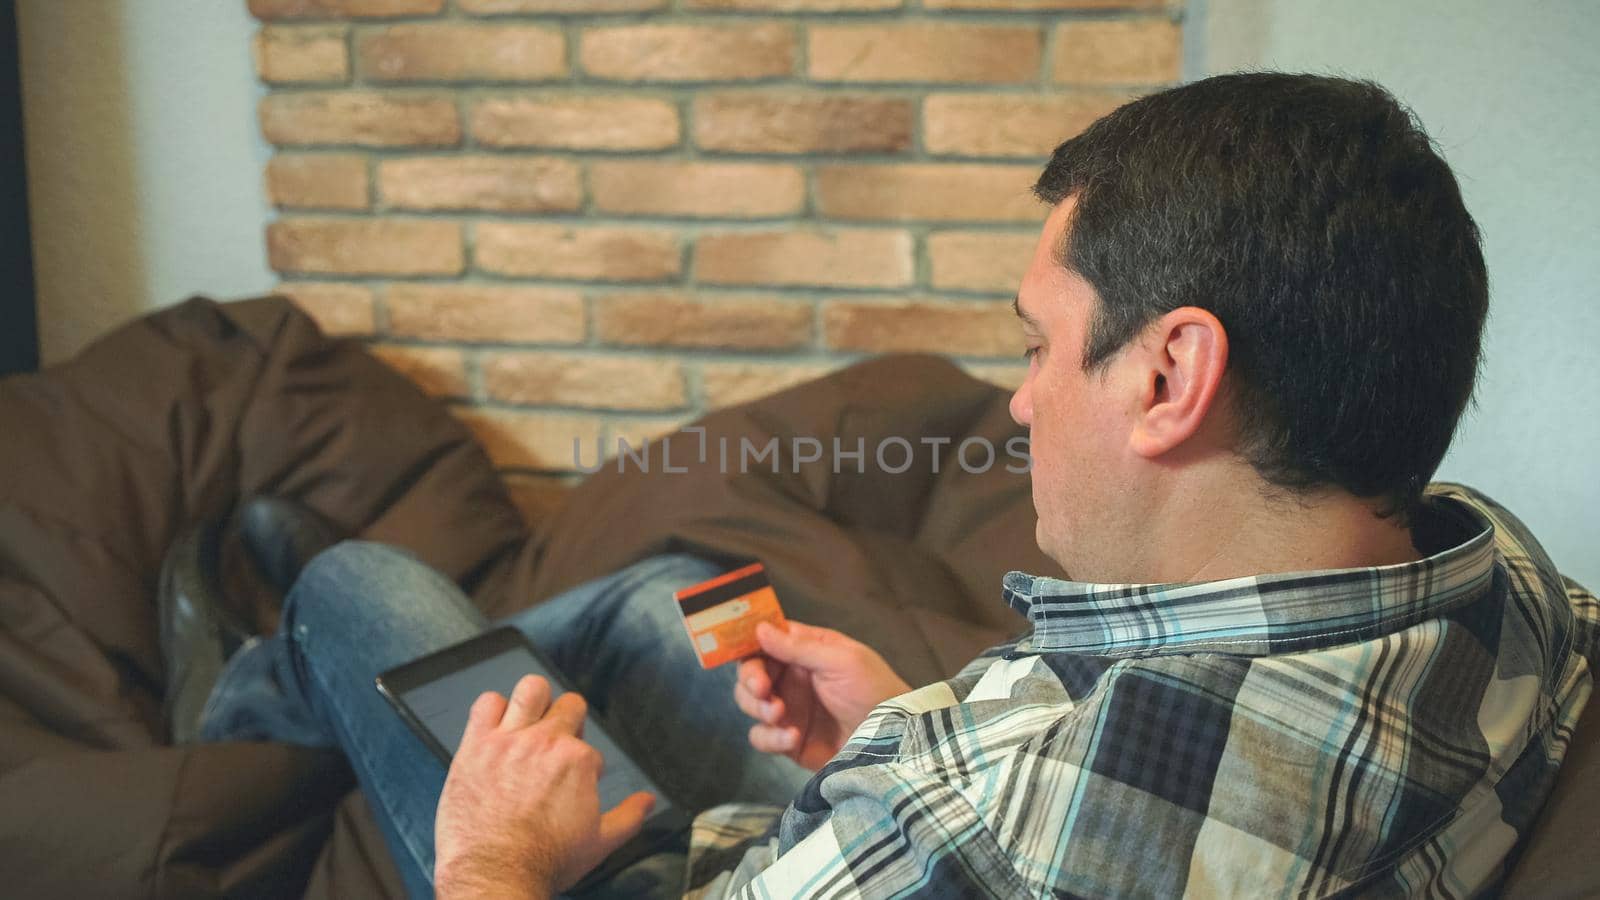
1253	320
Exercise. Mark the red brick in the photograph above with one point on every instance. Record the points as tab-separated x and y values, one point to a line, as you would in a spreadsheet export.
682	320
556	7
796	122
302	54
963	328
363	118
340	310
318	181
539	497
439	371
792	6
706	189
1009	125
495	183
1123	51
728	383
583	253
485	312
537	441
979	260
943	192
583	380
688	52
925	52
576	122
450	52
342	9
838	257
365	246
638	432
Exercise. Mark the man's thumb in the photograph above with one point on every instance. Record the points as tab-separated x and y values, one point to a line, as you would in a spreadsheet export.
802	645
624	821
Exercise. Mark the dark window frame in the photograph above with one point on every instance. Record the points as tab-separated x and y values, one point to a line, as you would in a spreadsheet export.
19	334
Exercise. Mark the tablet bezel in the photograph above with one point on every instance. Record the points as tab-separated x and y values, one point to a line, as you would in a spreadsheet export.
663	824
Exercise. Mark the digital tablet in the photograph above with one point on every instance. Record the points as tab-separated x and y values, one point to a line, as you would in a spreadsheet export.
434	696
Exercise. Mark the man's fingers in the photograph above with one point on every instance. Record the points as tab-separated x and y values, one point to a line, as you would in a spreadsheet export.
776	642
774	739
623	822
797	694
529	700
746	701
753	676
567	713
803	645
768	710
486	712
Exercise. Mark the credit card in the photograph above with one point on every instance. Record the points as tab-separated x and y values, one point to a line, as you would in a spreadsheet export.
721	615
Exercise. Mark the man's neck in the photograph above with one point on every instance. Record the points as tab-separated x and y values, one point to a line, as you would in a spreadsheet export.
1331	530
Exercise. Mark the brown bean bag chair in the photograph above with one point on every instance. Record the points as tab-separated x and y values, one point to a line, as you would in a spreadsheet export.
177	417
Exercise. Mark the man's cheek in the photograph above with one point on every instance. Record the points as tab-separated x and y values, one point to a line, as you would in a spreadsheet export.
1044	490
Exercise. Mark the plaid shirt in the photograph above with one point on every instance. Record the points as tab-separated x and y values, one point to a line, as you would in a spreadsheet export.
1387	731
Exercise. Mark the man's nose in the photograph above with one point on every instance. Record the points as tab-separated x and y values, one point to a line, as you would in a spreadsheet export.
1022	406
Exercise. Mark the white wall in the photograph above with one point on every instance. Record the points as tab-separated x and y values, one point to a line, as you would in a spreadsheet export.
144	159
1510	90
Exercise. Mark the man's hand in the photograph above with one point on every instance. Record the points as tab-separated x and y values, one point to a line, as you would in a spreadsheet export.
520	813
809	690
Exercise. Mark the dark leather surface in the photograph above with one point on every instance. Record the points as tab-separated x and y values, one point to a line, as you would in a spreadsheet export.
168	421
1559	861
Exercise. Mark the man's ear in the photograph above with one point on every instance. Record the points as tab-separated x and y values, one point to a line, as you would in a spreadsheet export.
1185	354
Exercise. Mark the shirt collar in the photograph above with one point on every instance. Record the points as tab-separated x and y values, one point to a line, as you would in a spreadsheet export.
1256	615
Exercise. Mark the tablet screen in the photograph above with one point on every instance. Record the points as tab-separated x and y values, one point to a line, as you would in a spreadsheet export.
443	704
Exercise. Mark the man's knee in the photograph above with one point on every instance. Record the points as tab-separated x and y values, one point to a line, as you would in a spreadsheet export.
371	583
350	563
681	569
358	554
645	591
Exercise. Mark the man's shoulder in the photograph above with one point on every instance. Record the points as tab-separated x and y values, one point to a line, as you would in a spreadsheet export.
1530	569
1514	541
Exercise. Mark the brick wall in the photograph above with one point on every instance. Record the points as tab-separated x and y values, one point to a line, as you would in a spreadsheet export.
601	218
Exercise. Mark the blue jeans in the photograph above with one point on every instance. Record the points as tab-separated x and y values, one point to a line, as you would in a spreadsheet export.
360	609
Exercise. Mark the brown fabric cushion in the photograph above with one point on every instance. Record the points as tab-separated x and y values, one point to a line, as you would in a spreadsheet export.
169	420
355	862
178	416
910	563
1556	862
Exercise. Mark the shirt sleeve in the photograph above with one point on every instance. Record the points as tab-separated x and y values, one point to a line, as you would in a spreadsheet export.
890	831
1586	616
727	845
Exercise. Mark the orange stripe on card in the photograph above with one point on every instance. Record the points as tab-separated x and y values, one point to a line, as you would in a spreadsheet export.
718	581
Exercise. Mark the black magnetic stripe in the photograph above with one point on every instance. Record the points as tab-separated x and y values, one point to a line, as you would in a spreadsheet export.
722	593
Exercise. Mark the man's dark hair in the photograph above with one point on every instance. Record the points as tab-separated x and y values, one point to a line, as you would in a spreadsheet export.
1313	217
